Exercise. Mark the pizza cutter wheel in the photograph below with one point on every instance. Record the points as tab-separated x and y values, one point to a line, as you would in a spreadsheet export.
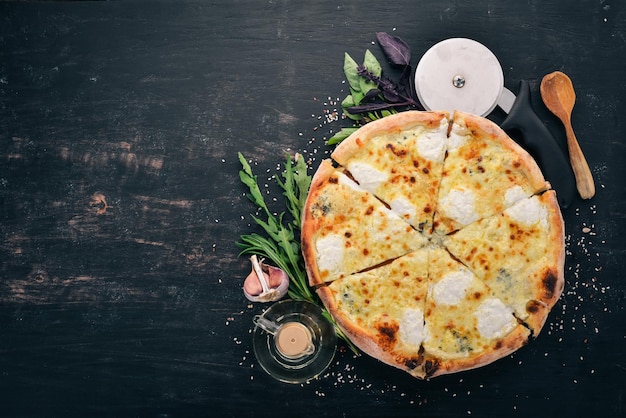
463	74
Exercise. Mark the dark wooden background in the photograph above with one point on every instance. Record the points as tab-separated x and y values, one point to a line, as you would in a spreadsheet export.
120	204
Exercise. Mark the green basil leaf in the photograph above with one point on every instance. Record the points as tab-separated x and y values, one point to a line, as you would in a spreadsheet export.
341	135
357	96
350	70
348	102
372	64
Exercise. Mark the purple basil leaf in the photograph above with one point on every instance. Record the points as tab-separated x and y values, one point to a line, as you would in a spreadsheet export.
372	107
392	96
405	80
396	50
369	107
371	95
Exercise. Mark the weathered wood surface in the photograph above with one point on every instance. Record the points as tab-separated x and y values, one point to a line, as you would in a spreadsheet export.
120	203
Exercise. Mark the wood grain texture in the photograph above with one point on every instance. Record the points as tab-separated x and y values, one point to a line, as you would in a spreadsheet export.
120	204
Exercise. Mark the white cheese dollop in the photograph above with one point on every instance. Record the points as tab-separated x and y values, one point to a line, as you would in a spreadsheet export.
460	205
494	318
529	211
403	207
412	327
330	253
458	137
369	177
431	144
348	182
514	194
450	290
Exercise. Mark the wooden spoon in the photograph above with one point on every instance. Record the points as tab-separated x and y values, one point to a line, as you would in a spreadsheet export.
558	95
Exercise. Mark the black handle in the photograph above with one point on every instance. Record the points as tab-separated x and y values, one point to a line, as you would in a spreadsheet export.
540	143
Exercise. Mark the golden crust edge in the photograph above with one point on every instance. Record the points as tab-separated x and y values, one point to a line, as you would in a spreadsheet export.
553	274
508	345
397	122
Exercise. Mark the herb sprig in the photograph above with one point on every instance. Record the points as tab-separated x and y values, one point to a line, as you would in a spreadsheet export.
372	95
281	245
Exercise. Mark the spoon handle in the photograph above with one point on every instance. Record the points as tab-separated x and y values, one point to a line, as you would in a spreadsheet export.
584	179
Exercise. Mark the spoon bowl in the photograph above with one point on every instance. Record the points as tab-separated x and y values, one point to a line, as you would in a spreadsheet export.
559	97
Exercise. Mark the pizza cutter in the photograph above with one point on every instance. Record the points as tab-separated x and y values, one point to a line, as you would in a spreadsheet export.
462	74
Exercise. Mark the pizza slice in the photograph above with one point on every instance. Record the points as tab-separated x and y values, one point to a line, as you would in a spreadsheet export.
399	159
467	326
485	172
346	229
382	310
520	254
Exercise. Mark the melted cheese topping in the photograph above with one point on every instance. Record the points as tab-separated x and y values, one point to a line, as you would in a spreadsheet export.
508	252
492	169
401	165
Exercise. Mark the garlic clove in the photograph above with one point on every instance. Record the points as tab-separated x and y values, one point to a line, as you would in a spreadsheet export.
265	283
252	284
276	276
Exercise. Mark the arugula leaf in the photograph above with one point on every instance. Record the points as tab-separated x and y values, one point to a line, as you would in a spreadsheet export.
282	248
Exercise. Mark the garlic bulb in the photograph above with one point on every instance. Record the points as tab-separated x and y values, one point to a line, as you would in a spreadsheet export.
265	283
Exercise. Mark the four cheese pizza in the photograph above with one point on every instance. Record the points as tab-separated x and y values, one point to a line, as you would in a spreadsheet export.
434	242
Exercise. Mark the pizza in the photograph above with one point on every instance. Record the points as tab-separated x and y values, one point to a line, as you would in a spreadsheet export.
434	242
